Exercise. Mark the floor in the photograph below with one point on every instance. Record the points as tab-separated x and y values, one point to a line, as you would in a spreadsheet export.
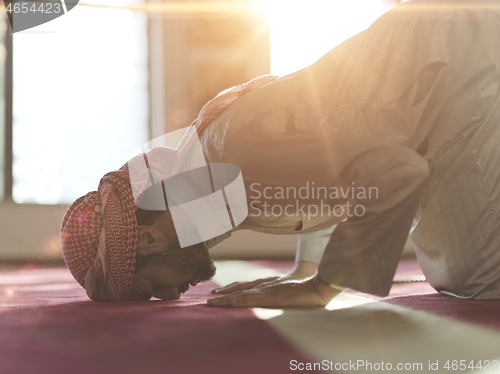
48	325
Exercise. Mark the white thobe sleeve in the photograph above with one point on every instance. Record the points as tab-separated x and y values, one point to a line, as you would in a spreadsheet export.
310	247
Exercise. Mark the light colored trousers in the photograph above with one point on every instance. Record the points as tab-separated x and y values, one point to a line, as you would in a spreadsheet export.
452	201
363	251
457	237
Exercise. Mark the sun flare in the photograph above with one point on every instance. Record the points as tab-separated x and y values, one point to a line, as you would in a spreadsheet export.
303	31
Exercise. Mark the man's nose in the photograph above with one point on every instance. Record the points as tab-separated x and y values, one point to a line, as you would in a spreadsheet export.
195	282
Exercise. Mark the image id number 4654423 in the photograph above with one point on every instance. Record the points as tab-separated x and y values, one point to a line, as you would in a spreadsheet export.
457	365
24	8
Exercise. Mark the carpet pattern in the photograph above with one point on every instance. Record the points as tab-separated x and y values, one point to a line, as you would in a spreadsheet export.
48	325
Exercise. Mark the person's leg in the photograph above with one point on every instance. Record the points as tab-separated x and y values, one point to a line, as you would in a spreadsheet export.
457	238
364	250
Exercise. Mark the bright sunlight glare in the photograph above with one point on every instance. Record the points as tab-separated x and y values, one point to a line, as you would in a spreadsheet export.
303	31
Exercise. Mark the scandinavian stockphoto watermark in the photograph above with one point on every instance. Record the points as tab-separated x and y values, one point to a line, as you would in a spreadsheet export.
204	199
309	200
26	14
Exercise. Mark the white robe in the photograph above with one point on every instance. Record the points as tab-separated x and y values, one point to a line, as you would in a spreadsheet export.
424	76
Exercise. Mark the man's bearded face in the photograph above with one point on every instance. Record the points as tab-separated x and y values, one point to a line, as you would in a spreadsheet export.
167	275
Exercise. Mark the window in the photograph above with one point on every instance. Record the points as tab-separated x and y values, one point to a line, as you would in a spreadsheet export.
80	100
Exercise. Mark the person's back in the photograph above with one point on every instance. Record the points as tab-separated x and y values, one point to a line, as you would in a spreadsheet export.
425	75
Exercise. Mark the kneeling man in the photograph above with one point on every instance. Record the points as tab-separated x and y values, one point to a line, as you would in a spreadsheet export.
396	129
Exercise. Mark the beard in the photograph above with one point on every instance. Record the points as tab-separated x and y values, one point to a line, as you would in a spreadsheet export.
194	262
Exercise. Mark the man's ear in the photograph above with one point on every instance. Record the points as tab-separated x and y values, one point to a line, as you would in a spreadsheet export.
151	240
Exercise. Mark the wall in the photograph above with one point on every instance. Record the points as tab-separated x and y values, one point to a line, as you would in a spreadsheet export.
205	53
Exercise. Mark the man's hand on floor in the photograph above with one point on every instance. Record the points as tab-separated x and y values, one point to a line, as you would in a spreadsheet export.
242	286
301	271
293	294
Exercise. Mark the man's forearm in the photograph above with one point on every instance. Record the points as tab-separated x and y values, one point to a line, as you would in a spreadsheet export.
310	247
304	269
